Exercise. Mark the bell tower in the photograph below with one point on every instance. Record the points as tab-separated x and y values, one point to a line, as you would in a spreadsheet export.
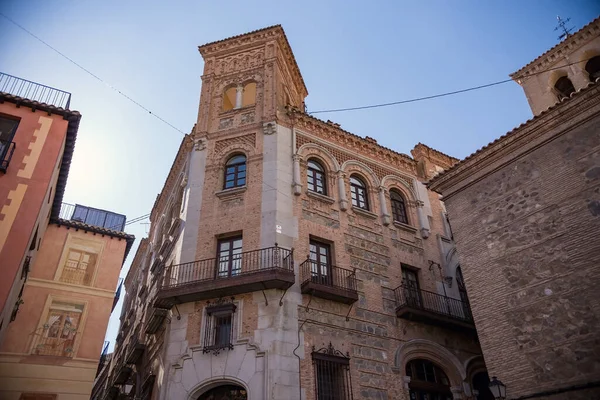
248	78
564	69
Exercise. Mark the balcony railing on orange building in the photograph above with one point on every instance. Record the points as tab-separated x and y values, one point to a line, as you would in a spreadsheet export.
34	91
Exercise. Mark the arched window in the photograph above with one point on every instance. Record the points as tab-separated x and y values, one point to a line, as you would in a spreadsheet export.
235	172
225	392
427	381
249	94
564	87
398	207
358	191
229	99
315	177
592	67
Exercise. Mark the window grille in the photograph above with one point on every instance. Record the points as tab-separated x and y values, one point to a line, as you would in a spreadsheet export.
332	374
219	328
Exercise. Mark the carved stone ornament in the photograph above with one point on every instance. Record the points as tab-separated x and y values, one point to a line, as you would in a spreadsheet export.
269	128
199	144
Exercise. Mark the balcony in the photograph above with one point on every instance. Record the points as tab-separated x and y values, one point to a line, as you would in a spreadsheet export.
155	320
269	268
34	91
7	149
123	374
328	282
432	308
136	350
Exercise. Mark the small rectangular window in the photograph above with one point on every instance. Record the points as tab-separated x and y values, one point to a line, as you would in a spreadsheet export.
219	328
332	375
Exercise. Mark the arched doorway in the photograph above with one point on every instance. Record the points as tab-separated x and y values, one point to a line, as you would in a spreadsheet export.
225	392
427	381
481	383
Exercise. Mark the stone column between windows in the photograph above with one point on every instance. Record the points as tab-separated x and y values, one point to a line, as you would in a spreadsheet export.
239	92
342	191
385	214
422	220
296	176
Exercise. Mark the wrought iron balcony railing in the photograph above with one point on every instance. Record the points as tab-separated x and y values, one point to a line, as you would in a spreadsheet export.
34	91
328	281
267	268
433	308
218	268
7	149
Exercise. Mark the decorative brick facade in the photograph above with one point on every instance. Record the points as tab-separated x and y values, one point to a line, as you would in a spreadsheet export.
277	326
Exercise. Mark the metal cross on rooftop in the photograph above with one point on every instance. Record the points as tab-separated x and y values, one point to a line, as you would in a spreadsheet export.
562	26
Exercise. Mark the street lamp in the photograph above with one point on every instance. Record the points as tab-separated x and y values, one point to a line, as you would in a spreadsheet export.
128	387
498	389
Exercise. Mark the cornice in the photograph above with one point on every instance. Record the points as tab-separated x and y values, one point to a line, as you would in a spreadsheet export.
529	136
252	39
180	158
561	50
316	126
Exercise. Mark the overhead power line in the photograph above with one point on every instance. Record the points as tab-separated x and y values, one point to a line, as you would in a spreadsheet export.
435	96
91	73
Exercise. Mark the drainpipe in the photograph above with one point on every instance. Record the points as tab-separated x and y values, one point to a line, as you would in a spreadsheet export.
299	362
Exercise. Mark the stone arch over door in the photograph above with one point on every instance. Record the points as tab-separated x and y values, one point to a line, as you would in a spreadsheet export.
205	388
428	350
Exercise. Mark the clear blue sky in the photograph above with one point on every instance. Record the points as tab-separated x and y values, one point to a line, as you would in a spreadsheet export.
350	53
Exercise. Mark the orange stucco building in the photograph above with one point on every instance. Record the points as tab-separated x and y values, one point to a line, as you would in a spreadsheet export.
59	263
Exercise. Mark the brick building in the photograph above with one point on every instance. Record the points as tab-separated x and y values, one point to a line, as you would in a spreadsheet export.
59	263
290	259
525	213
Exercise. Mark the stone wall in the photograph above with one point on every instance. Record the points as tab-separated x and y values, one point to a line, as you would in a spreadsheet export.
527	235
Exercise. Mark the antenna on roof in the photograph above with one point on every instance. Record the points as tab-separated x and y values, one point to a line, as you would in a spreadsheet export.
562	27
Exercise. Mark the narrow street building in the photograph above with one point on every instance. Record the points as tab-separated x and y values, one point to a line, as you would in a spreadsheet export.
60	263
290	259
525	213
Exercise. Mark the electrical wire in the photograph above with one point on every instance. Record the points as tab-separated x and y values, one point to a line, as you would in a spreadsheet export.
91	73
435	96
